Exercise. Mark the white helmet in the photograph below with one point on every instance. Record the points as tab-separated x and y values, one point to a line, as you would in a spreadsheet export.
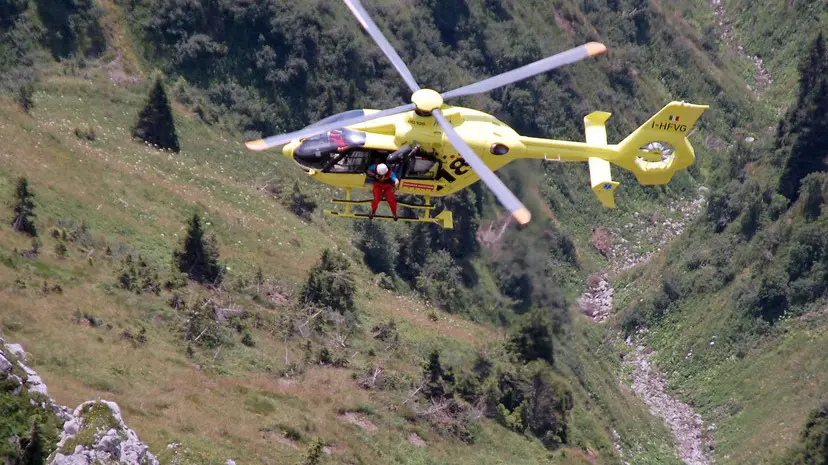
382	169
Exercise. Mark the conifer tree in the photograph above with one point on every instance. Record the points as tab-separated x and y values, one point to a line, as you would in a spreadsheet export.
24	208
33	453
804	134
199	256
155	122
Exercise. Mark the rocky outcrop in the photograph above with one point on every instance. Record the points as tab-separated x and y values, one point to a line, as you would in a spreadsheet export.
96	433
596	303
93	433
13	367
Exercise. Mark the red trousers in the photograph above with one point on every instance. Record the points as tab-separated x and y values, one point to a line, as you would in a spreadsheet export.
388	190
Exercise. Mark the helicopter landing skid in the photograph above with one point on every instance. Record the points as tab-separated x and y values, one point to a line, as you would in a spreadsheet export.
443	219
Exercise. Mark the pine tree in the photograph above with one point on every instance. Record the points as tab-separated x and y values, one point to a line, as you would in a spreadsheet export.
804	133
199	257
24	208
24	97
33	453
155	122
813	68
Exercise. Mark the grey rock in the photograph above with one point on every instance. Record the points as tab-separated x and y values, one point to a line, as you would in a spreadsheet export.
17	350
39	388
5	365
72	426
74	459
16	392
110	444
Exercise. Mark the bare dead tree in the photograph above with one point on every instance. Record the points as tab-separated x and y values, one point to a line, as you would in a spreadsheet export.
370	381
413	393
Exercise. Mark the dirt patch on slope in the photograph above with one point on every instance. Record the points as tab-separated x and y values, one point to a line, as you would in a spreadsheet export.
360	420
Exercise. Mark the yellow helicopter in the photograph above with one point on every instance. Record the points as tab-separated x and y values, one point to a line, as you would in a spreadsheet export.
436	149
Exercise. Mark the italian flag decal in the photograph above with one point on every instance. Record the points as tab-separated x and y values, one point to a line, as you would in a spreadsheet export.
674	118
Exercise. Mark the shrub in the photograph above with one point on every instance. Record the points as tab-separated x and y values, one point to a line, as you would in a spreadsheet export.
330	284
438	383
86	133
772	297
300	204
812	448
532	340
439	278
24	97
138	276
247	339
372	240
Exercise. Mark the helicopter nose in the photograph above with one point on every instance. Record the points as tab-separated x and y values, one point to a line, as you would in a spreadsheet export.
288	149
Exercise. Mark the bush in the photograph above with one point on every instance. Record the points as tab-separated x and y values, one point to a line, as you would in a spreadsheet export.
330	284
372	240
86	133
814	193
439	280
24	97
300	204
772	299
247	339
439	383
532	340
138	276
812	448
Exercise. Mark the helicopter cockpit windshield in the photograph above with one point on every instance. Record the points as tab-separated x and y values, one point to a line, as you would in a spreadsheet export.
344	151
338	150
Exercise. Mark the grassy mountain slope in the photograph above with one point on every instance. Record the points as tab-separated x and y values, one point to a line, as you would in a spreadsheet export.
310	60
132	197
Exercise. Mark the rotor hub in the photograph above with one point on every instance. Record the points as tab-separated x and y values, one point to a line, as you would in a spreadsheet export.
427	100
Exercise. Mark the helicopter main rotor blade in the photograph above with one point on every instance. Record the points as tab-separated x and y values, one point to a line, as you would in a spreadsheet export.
372	29
503	194
282	139
518	74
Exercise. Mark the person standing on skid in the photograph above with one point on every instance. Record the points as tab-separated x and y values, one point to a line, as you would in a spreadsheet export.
385	182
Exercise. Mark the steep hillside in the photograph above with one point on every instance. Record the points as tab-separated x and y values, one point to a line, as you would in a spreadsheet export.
496	367
736	307
228	399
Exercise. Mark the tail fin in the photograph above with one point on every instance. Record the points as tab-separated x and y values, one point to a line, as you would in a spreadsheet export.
653	152
659	148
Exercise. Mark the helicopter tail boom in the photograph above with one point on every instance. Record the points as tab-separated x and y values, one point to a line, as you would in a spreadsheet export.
653	153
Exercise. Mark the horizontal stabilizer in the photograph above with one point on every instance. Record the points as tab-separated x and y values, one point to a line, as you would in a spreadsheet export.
600	176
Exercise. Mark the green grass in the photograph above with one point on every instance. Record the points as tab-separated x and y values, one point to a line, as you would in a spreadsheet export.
137	199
